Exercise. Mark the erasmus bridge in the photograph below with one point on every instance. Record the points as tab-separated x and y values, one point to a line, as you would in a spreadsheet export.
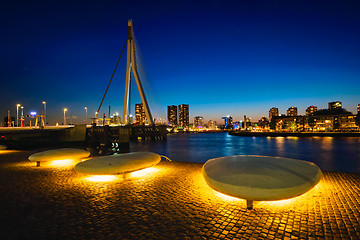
103	138
131	66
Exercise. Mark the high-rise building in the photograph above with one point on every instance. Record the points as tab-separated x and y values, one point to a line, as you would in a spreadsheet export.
358	108
140	113
172	115
212	125
310	110
292	111
274	112
228	121
198	122
184	115
334	105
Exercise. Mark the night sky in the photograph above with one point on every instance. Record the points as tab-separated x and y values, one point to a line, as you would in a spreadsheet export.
220	57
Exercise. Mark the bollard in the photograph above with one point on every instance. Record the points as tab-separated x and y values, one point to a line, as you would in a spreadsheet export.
249	204
38	163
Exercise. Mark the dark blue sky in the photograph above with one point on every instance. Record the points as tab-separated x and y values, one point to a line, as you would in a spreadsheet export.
220	57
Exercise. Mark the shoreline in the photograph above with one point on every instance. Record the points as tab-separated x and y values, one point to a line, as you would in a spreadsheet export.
294	134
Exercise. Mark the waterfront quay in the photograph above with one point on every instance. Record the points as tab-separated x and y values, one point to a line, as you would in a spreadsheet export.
168	201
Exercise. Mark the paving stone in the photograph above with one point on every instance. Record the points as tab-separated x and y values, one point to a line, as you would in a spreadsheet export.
170	201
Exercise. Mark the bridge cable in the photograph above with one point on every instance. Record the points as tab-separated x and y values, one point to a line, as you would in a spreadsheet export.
111	79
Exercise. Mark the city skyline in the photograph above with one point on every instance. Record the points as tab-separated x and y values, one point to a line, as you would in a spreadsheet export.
233	58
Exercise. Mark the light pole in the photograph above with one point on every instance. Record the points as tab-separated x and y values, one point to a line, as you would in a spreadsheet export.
85	114
22	116
65	109
44	111
17	114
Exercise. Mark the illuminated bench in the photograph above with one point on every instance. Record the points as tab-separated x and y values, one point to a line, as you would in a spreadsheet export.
260	178
59	154
118	164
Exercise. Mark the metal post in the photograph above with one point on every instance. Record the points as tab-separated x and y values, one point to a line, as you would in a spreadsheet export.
249	204
85	115
44	112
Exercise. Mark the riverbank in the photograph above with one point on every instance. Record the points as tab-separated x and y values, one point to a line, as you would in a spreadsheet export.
294	134
169	201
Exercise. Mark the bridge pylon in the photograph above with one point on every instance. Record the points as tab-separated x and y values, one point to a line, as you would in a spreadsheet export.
132	65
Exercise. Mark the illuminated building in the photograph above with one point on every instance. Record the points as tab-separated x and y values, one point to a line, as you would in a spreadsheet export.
274	112
115	119
263	123
237	125
198	122
212	125
292	111
316	123
140	116
334	105
358	108
184	115
247	123
228	120
172	115
310	110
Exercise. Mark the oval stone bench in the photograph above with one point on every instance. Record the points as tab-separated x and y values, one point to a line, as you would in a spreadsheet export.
118	164
59	154
260	178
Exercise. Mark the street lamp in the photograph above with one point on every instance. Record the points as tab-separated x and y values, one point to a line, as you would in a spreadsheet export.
17	114
85	114
44	111
22	116
65	109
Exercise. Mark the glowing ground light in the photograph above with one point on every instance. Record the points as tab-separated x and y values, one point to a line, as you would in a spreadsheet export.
144	172
8	151
296	202
137	174
62	163
102	178
227	197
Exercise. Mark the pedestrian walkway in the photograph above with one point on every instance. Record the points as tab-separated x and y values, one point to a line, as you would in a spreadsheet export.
168	201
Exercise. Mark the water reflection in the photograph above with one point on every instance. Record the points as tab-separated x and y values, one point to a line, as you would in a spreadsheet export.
330	154
280	148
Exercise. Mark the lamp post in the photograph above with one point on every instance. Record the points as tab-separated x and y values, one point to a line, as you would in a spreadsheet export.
65	109
85	114
17	114
22	116
44	111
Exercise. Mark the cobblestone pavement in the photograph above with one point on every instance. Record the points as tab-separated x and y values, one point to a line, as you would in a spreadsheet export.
168	201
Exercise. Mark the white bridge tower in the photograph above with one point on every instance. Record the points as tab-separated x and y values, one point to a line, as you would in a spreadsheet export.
131	65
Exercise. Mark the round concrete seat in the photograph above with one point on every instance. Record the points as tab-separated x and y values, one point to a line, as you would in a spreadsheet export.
117	164
260	178
59	154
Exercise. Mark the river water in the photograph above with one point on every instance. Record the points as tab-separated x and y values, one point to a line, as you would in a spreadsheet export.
340	154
